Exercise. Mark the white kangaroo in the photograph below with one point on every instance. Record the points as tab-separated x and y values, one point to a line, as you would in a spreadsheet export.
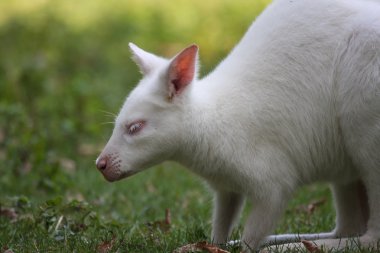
295	102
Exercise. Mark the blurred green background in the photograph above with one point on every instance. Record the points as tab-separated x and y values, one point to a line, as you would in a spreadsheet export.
65	69
65	64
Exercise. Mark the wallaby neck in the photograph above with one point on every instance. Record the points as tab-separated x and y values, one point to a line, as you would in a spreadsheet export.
199	148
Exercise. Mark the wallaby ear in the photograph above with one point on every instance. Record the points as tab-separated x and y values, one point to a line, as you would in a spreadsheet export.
182	70
144	60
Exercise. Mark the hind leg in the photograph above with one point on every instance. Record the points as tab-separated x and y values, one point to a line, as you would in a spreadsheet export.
352	215
352	212
373	189
358	76
369	161
349	237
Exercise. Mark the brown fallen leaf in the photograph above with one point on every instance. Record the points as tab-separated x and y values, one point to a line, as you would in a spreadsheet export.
311	247
313	205
5	249
9	213
168	216
106	246
163	225
200	246
187	248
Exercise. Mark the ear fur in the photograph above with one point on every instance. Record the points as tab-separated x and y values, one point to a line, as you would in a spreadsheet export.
144	60
182	70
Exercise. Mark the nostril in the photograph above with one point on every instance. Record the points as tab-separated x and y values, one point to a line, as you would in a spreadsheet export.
101	164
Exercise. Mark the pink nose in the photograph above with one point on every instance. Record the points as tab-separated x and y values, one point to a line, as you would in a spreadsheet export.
101	163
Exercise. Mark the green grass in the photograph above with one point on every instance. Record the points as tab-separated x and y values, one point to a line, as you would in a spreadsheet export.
62	65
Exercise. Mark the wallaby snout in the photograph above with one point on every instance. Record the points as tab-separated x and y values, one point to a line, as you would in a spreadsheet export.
109	166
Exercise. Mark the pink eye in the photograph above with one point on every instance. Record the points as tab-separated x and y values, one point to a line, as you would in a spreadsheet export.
135	127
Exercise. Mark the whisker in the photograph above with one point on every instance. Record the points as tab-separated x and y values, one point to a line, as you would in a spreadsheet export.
106	123
110	114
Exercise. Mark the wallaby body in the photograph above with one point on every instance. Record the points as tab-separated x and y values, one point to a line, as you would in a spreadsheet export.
296	101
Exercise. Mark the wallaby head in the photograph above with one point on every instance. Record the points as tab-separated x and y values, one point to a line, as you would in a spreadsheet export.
149	125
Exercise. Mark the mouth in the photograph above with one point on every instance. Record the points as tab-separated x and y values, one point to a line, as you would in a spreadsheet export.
116	175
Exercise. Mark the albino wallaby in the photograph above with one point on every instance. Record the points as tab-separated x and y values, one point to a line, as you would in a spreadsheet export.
295	102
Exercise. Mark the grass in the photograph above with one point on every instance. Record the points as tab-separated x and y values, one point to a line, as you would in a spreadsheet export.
61	67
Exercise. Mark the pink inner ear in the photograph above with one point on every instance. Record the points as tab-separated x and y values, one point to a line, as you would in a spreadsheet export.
182	69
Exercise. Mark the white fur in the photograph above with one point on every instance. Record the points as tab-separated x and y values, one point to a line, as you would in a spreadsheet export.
296	101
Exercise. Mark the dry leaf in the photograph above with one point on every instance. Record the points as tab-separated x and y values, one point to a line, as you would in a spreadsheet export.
106	246
187	248
168	216
163	225
311	207
200	246
5	249
9	213
311	247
